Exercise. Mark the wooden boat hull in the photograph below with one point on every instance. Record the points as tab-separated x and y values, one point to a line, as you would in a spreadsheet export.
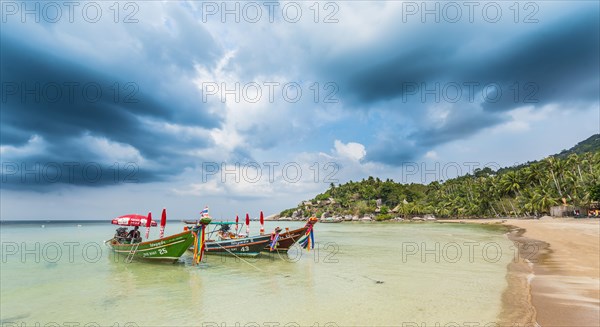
287	239
167	249
247	246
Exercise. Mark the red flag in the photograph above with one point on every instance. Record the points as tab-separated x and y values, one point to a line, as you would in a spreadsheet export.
148	224
237	219
247	219
163	222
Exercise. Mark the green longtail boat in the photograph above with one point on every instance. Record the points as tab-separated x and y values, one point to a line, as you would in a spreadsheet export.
165	249
169	248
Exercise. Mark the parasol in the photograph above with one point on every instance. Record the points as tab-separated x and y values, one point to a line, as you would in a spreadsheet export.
131	220
262	223
163	222
148	224
247	224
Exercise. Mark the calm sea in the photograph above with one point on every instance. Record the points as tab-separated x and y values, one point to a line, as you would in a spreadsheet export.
359	274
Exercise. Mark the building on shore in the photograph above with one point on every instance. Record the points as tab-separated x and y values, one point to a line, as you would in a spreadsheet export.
593	210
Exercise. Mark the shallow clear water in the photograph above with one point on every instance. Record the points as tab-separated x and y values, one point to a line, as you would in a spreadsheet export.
359	274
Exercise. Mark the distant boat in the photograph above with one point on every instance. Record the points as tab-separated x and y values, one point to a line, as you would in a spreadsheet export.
331	220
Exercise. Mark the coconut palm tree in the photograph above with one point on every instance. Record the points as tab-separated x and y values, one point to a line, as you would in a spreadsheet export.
553	165
511	182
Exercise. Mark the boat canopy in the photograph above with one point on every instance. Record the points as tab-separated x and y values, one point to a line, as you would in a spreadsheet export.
132	220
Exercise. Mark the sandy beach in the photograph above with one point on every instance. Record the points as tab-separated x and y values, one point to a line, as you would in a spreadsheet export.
555	281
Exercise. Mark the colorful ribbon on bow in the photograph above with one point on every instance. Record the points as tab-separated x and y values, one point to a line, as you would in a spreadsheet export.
199	243
274	239
308	240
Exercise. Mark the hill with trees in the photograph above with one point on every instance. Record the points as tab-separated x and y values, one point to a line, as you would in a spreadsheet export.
571	177
591	144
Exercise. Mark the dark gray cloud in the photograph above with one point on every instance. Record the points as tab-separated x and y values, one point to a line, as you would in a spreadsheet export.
559	62
561	59
42	173
62	101
459	124
394	151
399	145
554	63
44	94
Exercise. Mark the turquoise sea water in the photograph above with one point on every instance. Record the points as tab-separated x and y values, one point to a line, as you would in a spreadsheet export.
359	274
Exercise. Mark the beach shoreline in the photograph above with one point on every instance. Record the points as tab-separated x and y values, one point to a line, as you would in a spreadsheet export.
555	280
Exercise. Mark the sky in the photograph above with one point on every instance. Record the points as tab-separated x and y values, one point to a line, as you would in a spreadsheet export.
110	108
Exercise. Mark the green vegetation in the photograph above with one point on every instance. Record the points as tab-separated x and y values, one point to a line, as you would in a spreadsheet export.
591	144
595	193
529	189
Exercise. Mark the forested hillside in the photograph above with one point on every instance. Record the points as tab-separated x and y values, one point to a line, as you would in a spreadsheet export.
572	177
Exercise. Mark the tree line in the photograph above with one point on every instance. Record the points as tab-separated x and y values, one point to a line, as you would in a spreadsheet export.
526	190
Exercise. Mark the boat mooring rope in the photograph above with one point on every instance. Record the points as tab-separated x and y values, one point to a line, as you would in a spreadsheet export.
293	239
235	255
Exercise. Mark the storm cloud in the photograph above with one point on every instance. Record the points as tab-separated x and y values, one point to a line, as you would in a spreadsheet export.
116	109
475	75
402	88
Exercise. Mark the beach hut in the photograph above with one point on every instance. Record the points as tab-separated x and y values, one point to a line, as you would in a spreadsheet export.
568	211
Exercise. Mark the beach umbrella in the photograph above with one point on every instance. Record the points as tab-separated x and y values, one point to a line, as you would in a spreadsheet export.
262	223
131	220
163	222
148	224
247	224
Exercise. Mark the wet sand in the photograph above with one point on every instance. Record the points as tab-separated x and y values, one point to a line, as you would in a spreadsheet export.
566	288
555	280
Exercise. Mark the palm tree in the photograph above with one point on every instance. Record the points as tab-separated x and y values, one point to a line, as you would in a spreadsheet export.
531	201
545	201
574	161
511	182
553	165
533	174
